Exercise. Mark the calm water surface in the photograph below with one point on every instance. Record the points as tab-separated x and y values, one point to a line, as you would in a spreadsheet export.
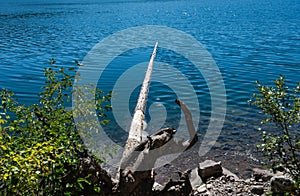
249	40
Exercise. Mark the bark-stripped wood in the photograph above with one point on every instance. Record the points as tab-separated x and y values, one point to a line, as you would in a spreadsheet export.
136	176
130	157
136	127
190	126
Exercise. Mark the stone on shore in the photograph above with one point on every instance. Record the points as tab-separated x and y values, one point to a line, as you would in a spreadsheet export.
281	184
210	178
157	187
226	172
209	169
257	189
260	174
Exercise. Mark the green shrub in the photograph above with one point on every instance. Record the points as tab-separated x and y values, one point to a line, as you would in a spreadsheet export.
281	106
40	147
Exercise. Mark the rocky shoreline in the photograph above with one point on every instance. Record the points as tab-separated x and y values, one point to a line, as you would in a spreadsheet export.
210	179
207	178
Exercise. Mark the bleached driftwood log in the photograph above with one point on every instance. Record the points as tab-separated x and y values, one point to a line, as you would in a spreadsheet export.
136	175
129	176
136	127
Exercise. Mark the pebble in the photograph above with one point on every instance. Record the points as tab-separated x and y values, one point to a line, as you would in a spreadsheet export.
209	186
202	189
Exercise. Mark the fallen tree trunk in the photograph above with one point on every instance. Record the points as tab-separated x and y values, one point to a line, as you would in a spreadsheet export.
136	127
128	180
136	176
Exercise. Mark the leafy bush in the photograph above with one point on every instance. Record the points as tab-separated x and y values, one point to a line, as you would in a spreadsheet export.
282	108
40	147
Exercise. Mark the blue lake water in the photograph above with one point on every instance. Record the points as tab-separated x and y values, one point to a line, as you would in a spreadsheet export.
248	39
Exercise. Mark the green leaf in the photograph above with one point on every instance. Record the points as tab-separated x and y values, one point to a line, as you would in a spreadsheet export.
79	180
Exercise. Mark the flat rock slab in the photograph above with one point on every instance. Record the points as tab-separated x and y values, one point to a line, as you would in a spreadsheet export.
209	169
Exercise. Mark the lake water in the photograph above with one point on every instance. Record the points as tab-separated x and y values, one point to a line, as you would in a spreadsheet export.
248	39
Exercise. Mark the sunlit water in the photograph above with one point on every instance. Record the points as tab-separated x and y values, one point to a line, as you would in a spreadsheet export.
249	40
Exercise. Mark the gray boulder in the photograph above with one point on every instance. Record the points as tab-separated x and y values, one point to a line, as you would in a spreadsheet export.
209	169
282	184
